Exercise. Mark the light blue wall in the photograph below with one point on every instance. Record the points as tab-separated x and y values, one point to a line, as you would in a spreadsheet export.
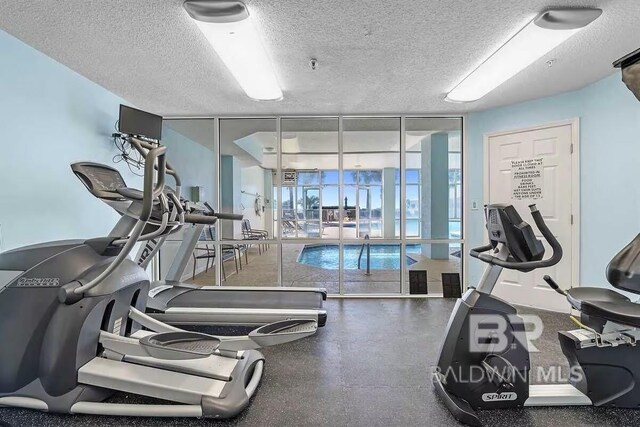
194	162
609	156
52	117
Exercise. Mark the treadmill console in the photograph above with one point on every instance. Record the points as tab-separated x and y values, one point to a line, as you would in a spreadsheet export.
101	180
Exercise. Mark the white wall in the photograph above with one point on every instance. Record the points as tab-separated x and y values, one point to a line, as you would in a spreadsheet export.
609	154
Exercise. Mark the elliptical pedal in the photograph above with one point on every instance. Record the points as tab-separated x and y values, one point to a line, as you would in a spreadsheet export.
180	345
283	331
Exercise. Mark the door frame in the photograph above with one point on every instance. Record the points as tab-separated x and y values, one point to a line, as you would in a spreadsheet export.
575	182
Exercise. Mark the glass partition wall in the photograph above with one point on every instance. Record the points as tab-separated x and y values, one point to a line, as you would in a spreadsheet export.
358	205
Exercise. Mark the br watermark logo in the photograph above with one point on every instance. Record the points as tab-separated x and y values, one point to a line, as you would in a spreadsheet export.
493	333
490	339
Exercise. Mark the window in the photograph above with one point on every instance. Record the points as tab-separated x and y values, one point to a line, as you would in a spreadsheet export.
412	201
316	227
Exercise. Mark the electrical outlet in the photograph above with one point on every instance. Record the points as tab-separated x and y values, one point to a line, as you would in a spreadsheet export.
474	205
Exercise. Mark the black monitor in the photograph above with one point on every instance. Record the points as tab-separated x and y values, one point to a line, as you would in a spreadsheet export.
140	123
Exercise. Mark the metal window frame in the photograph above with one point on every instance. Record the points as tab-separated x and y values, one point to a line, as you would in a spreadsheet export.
278	241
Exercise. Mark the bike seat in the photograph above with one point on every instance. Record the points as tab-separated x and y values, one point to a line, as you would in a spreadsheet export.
576	296
623	312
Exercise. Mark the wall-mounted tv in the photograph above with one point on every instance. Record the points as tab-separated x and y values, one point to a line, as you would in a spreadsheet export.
137	122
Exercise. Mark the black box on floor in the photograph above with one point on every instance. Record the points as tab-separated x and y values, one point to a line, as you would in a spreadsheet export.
451	287
418	282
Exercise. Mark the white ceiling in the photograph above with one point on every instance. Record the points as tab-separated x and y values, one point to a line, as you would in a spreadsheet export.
374	57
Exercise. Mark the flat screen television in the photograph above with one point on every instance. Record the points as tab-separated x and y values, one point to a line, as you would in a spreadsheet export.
137	122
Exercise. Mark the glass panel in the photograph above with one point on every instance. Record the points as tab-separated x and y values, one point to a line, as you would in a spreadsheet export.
438	262
250	264
434	178
372	269
330	177
350	177
311	265
308	178
413	176
312	206
176	134
310	173
248	163
370	177
371	161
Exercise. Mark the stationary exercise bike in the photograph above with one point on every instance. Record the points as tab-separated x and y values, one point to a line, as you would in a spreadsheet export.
484	361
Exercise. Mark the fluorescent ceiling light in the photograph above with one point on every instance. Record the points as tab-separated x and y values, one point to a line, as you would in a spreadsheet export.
229	29
547	31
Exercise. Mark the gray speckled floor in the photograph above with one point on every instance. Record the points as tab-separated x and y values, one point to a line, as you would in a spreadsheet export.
368	367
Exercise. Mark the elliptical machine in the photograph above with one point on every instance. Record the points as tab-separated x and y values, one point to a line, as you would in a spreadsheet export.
484	360
75	332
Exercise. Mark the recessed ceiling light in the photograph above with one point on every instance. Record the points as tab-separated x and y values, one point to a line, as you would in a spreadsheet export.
228	27
547	31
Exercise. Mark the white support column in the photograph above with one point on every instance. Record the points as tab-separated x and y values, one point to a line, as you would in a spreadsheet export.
389	202
435	194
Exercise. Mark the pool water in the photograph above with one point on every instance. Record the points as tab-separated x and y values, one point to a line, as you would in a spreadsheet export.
383	257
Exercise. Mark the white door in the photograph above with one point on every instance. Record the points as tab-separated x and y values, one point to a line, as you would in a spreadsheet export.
554	146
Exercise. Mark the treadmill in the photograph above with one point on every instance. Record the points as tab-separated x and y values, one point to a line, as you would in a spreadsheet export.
177	303
174	302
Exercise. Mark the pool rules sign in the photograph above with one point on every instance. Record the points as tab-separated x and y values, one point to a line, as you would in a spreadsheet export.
527	179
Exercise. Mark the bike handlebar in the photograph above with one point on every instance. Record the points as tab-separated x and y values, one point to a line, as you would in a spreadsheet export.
524	265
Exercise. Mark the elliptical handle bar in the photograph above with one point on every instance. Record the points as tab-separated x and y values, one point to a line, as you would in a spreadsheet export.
200	219
232	217
151	192
525	265
209	218
220	215
143	147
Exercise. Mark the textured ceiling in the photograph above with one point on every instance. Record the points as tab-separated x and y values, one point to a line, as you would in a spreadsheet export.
374	57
